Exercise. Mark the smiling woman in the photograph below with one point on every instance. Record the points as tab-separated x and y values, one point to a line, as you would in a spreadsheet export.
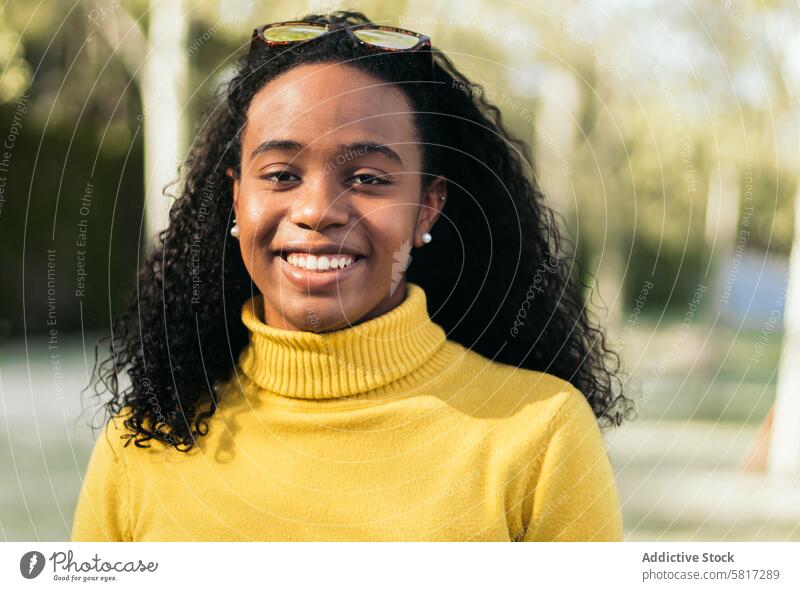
294	376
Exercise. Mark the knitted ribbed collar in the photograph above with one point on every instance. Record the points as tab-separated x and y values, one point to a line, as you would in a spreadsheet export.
350	361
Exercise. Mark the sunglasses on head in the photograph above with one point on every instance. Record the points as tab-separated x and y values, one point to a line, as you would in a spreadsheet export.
376	36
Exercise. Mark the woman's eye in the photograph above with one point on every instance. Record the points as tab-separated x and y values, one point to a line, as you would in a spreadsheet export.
369	179
280	176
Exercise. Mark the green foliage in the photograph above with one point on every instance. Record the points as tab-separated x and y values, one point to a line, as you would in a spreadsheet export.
51	173
772	189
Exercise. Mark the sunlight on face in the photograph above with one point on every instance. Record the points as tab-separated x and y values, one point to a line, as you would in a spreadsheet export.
330	162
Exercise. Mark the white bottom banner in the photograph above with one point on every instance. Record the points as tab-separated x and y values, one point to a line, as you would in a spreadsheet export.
402	566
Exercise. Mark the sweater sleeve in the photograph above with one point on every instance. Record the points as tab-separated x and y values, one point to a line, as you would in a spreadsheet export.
101	514
575	497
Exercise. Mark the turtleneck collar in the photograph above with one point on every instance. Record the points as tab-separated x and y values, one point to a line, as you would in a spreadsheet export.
353	360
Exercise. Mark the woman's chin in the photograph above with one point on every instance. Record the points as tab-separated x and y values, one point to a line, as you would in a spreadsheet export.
317	312
319	320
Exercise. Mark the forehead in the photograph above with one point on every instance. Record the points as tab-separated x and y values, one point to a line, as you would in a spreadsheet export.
328	104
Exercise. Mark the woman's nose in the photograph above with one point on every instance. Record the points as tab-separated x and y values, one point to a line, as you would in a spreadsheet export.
320	203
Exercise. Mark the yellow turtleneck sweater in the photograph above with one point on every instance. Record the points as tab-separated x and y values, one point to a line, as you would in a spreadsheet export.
384	430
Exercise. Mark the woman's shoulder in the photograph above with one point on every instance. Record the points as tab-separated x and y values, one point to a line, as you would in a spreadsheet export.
507	390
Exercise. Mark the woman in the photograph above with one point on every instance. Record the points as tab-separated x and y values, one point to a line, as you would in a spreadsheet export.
297	374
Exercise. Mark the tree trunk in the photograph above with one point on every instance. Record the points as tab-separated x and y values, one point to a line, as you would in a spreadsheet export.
163	86
784	452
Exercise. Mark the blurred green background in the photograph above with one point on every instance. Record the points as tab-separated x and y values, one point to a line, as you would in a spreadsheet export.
665	134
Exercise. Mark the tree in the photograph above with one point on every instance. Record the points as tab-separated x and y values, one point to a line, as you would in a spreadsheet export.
155	60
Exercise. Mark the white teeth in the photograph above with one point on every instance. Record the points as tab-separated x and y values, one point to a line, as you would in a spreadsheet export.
312	262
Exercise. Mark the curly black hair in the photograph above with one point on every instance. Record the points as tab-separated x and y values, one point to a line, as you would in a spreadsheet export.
518	301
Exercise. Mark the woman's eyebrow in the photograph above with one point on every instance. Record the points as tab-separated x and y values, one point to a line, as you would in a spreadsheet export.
364	148
356	149
283	145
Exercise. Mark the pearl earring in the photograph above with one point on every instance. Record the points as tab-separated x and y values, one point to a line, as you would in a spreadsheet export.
235	230
426	237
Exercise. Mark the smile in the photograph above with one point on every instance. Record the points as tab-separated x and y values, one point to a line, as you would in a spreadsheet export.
319	271
320	263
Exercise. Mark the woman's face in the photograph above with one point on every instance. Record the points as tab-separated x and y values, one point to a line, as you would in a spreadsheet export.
329	201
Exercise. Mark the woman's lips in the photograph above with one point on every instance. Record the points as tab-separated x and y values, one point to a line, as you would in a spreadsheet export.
311	280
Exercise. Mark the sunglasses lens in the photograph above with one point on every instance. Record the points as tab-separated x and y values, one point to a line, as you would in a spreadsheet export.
387	39
284	33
